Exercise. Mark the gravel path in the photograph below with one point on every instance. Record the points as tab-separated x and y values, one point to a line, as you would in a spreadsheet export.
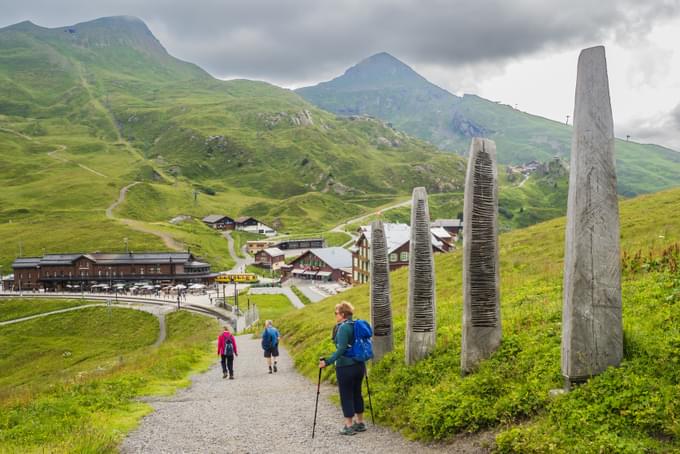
255	413
239	263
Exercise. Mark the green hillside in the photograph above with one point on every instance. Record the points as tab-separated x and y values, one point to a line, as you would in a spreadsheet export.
384	87
73	382
90	108
632	408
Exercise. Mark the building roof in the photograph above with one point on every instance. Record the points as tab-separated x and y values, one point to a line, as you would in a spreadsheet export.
26	262
214	218
335	257
273	251
396	235
109	259
440	233
242	219
447	223
298	240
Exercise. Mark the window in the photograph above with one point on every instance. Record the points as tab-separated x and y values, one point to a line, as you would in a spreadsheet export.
393	257
403	256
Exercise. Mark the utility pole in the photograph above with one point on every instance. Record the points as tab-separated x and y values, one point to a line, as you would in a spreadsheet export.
235	296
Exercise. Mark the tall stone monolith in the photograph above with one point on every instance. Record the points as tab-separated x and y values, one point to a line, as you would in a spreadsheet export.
481	282
381	301
592	331
421	311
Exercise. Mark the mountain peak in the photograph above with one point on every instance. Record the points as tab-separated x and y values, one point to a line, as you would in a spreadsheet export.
383	57
382	69
115	31
378	72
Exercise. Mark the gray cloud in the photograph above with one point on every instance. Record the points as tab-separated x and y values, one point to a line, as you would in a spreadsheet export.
661	129
287	41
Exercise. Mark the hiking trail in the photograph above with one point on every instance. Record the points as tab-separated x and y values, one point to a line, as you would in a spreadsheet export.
258	412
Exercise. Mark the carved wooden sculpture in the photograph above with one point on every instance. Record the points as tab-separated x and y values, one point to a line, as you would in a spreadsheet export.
421	312
592	331
481	283
381	301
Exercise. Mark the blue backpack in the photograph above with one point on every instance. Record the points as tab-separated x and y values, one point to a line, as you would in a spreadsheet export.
270	338
228	347
361	348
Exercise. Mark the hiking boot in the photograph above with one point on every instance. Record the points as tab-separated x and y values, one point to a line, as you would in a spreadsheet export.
275	367
347	431
359	427
224	375
270	369
231	377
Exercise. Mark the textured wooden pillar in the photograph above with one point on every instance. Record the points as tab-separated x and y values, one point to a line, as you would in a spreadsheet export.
421	312
481	282
592	331
381	301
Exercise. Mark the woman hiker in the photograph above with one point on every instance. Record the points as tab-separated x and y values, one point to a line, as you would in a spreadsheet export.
349	373
226	349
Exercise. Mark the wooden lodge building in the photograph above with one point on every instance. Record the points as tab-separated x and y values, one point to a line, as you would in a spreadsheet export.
245	223
304	243
271	258
322	264
453	226
220	222
57	271
398	237
255	246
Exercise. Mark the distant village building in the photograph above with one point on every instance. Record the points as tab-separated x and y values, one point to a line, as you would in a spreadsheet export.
219	222
322	264
306	243
252	225
271	258
398	237
448	240
60	271
255	246
6	282
453	226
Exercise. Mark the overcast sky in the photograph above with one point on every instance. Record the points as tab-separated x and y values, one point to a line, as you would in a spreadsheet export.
519	52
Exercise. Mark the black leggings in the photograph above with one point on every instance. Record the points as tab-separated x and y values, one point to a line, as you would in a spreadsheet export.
229	364
349	384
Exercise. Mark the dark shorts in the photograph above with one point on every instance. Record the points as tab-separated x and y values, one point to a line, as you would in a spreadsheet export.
269	352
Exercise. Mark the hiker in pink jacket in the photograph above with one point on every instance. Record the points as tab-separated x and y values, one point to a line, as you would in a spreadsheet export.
226	349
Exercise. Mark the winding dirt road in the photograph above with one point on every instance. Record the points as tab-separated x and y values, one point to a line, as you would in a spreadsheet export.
354	237
168	240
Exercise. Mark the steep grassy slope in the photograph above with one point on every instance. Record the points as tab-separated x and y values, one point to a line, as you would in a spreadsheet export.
71	382
386	88
627	409
90	108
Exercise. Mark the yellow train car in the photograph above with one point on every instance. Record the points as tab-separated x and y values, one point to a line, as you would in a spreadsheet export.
241	278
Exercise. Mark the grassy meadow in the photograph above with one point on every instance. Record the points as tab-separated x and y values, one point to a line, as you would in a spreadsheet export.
270	307
73	384
11	309
632	408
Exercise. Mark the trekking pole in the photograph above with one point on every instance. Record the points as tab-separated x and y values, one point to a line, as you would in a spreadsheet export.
316	406
368	388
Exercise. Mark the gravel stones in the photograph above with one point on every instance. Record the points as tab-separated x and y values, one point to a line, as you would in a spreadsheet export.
257	412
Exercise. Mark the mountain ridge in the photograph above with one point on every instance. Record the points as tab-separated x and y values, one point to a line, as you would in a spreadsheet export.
199	146
449	121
